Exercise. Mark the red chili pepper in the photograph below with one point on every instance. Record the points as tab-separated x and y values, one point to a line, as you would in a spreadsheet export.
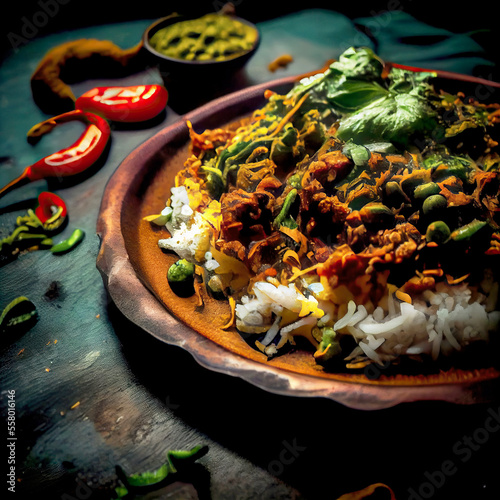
69	161
48	203
125	104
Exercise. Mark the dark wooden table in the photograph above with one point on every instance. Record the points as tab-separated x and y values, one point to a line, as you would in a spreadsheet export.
93	391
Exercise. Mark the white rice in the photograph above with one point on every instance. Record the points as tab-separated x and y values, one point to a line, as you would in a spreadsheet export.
188	238
437	323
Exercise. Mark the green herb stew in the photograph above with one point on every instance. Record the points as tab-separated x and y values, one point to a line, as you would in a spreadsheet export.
357	214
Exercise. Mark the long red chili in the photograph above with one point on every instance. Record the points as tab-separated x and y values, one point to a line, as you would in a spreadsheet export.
68	161
125	104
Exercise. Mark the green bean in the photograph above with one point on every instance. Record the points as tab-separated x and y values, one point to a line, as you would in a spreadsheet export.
66	245
180	271
31	236
465	232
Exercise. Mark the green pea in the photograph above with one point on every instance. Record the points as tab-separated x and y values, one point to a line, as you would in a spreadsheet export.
65	246
295	181
434	203
179	271
180	277
424	190
438	232
393	188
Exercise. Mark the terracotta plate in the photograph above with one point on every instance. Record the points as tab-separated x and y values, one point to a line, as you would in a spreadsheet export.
134	272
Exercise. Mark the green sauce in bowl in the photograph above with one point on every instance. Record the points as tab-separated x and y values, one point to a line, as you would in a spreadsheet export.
212	37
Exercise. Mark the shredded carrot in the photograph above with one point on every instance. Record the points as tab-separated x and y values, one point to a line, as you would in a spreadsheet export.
433	272
289	115
75	405
298	237
292	259
232	304
299	273
260	346
403	296
270	271
198	284
453	281
197	289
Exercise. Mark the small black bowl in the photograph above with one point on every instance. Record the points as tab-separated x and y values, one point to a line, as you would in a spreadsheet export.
191	83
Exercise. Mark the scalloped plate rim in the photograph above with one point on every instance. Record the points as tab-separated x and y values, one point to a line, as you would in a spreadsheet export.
113	261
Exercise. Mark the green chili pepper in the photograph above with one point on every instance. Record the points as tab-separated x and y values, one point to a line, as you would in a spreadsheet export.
216	182
231	152
68	244
283	218
20	311
282	149
243	153
13	236
24	236
30	219
177	460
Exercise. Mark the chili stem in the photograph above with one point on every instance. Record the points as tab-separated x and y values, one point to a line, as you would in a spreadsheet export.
18	182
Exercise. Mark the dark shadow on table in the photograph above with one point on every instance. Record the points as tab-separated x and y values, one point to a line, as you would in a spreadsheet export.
315	445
